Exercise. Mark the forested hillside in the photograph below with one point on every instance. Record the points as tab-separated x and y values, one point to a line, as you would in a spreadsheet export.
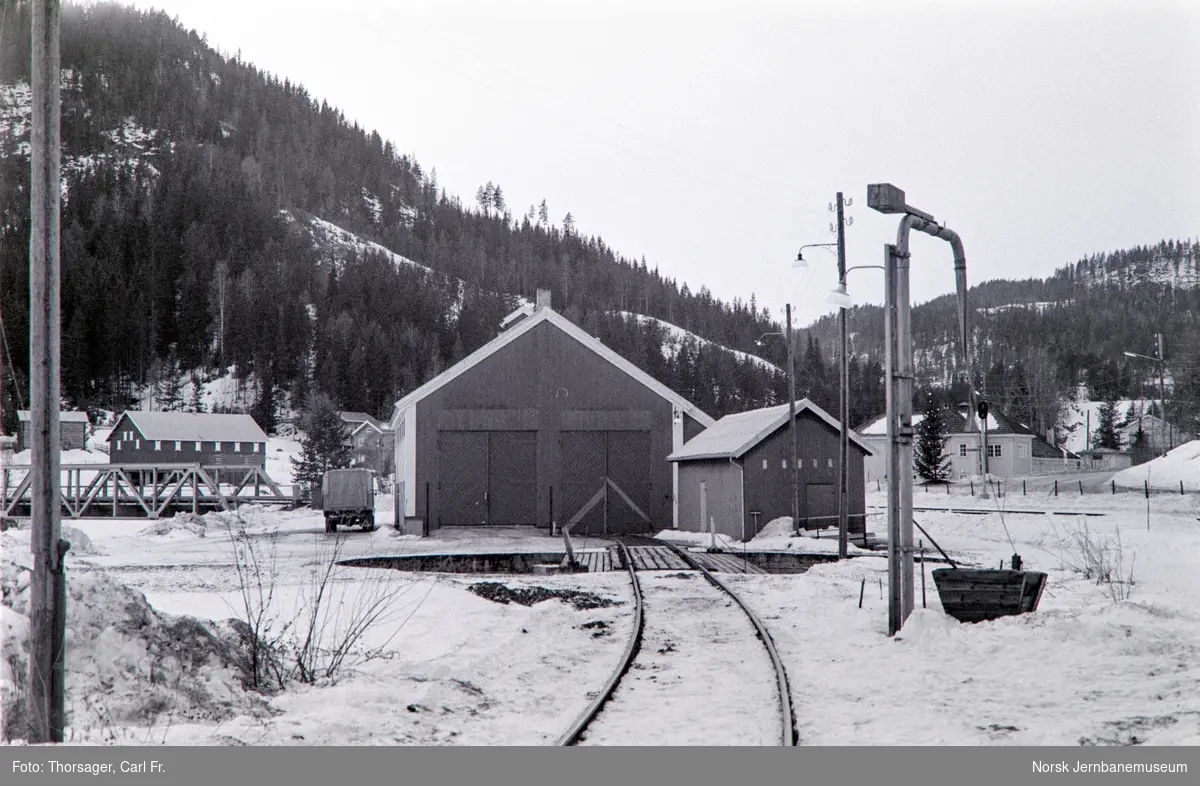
199	196
190	179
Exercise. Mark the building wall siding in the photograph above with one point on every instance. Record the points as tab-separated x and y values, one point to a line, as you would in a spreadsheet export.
768	489
723	496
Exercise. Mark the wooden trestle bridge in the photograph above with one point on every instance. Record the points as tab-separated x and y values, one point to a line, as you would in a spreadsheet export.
143	490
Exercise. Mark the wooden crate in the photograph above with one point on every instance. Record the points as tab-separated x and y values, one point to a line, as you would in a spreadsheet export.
977	594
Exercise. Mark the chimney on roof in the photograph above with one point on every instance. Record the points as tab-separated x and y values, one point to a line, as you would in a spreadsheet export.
543	299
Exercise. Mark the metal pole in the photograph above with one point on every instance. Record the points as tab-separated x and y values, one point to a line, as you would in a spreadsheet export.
844	399
895	619
791	374
904	429
47	596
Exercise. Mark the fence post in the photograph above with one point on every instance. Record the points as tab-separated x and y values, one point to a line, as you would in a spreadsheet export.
1146	486
1081	488
1114	486
1022	488
1056	487
1181	487
972	488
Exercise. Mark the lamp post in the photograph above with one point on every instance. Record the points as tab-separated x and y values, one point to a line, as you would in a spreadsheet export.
886	198
841	298
1162	388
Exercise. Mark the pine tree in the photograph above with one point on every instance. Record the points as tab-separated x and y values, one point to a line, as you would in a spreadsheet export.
170	388
196	403
930	456
1106	435
323	445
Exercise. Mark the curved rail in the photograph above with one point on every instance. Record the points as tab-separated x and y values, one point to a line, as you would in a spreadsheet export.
789	736
575	733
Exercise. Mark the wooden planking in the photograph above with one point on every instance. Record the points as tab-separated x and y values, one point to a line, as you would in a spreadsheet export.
656	558
727	563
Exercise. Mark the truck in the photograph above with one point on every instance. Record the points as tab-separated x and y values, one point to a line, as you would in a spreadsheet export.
348	498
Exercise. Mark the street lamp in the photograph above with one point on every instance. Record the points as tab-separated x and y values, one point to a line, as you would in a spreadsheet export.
1162	388
841	298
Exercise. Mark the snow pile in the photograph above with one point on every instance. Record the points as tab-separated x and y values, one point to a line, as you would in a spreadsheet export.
126	662
1181	465
184	525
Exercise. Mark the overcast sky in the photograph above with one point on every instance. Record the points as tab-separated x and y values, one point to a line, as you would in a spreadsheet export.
711	137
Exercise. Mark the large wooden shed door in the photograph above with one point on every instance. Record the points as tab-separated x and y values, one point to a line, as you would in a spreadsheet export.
821	506
463	478
512	477
487	477
605	481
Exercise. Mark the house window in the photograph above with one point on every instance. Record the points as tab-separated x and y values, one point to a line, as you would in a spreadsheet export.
137	444
994	451
216	447
814	463
829	463
783	463
237	447
1021	451
962	449
764	463
158	444
255	448
178	446
118	444
197	447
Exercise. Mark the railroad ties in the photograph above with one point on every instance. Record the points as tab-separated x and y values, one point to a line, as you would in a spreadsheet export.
666	558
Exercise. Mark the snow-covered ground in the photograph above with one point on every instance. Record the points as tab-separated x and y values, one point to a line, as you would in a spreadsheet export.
453	667
1181	465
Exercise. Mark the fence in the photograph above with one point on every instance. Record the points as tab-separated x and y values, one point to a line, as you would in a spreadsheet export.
1048	487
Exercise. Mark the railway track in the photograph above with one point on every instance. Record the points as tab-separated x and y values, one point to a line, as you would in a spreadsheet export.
618	714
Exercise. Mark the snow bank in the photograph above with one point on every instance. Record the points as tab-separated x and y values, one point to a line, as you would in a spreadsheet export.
126	662
1179	465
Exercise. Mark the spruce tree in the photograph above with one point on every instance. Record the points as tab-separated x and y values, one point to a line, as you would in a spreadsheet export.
930	458
1106	435
323	445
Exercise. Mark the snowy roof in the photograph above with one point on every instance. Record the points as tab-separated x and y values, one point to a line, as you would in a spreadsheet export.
954	422
733	435
192	426
360	417
65	417
524	310
539	316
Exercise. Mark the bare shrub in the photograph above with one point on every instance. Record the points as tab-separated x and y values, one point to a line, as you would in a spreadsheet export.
257	574
334	616
1099	558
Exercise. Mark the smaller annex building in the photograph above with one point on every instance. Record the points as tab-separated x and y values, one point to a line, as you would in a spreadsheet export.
736	472
187	438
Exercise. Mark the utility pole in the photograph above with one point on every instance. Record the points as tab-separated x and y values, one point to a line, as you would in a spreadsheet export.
47	624
844	400
795	462
1162	394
